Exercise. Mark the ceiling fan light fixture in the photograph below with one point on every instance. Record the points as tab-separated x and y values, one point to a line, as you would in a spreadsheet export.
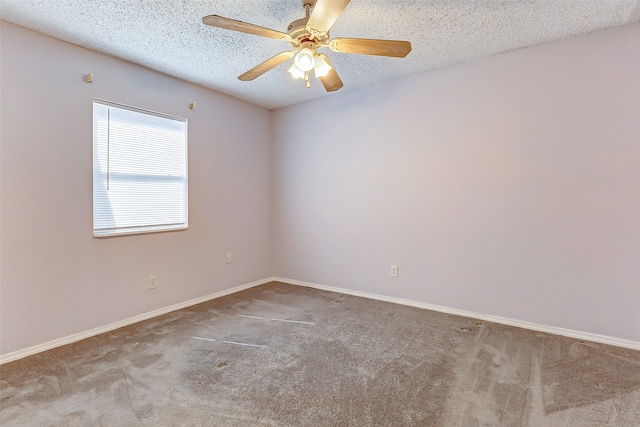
321	67
296	72
308	34
304	59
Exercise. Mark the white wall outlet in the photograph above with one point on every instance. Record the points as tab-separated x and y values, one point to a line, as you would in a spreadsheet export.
152	282
394	271
229	257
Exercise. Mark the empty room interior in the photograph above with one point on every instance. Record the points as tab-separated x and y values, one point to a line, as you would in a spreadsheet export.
445	238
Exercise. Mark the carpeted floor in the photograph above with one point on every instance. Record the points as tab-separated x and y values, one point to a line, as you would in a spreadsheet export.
282	355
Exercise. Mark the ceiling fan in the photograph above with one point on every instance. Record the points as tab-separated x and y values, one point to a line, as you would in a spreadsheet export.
306	36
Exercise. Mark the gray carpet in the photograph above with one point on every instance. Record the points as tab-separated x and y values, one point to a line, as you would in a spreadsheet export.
313	358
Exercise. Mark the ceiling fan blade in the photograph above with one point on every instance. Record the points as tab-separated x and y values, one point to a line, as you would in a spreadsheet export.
325	13
395	48
243	27
266	66
331	81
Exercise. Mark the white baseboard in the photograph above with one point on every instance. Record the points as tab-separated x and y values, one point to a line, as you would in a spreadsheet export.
9	357
586	336
603	339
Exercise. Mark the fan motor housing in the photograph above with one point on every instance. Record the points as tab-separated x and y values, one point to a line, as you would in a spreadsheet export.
298	28
298	31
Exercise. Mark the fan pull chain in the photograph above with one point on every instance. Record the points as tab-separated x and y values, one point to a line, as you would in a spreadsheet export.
306	77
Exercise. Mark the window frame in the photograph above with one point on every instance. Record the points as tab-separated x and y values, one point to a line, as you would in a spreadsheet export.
138	229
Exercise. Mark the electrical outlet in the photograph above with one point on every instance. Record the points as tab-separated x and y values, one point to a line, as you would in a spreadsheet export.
229	257
152	282
394	271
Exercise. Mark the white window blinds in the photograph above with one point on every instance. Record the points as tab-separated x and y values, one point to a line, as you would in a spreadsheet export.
139	170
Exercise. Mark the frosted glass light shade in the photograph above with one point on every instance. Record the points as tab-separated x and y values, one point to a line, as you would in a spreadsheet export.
296	72
304	59
321	66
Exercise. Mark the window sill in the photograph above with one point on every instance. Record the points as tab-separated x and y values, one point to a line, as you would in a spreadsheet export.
137	230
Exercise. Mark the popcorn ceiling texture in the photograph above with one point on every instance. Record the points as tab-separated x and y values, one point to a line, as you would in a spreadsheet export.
169	36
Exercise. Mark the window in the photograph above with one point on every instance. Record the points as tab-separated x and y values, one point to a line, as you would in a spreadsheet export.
139	170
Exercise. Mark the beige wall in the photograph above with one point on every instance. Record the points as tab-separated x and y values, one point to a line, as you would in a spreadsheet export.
57	279
508	186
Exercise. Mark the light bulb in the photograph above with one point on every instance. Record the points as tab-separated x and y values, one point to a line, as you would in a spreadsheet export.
304	60
296	72
321	66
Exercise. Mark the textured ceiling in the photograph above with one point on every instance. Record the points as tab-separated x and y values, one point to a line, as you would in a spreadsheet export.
168	35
